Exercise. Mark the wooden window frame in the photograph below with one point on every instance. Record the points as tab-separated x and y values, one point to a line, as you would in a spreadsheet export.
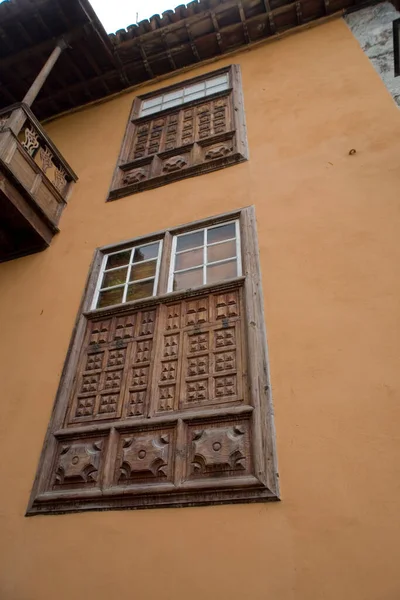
253	419
183	157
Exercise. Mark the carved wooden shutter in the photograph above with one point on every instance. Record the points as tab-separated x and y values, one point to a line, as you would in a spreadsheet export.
180	142
165	407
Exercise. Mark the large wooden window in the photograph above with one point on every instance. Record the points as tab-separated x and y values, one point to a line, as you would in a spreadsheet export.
181	131
165	396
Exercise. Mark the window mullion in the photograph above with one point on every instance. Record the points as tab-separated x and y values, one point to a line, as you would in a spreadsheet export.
238	248
158	267
170	285
128	275
205	257
99	281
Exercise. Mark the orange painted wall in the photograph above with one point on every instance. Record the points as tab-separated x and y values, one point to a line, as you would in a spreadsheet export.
329	241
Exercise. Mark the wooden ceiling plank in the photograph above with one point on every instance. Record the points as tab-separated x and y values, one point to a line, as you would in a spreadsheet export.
76	88
4	90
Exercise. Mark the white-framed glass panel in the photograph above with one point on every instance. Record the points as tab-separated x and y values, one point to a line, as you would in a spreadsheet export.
185	94
129	274
204	256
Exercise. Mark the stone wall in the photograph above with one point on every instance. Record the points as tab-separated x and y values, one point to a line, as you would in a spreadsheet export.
373	28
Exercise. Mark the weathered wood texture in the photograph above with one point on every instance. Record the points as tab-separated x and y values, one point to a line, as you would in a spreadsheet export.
164	402
96	65
37	182
199	137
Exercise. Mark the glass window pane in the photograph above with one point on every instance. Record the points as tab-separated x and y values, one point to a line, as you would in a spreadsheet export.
192	258
140	290
110	297
190	240
196	87
221	251
188	279
221	80
172	95
118	260
194	96
149	111
215	89
145	252
171	103
221	271
223	232
143	270
116	277
151	102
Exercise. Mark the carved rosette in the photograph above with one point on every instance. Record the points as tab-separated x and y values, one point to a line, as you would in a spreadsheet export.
145	456
219	450
78	464
218	151
175	163
134	176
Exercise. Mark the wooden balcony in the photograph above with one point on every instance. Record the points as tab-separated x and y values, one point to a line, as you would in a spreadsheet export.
35	183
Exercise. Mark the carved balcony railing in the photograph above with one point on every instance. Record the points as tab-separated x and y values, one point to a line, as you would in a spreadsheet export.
35	183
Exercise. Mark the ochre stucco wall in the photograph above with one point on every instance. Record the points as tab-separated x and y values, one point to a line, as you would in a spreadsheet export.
328	228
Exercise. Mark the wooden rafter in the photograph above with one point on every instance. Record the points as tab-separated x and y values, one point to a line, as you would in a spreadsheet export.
217	30
270	16
168	50
299	13
145	60
192	43
244	24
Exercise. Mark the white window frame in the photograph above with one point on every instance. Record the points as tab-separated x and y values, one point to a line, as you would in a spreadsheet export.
205	263
183	95
129	266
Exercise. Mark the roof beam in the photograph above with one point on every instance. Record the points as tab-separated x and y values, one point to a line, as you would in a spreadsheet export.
168	49
299	13
217	30
191	41
145	61
270	15
244	24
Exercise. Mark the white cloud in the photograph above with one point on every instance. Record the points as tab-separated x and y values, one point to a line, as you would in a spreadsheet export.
118	14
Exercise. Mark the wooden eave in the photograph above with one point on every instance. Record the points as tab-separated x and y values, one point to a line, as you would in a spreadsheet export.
97	65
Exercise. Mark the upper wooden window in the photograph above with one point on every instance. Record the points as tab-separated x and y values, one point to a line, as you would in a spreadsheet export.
165	399
181	131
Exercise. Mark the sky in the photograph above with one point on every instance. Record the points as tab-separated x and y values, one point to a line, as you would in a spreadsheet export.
118	14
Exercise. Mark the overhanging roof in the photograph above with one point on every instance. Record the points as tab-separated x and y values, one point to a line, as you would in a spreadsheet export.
97	65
